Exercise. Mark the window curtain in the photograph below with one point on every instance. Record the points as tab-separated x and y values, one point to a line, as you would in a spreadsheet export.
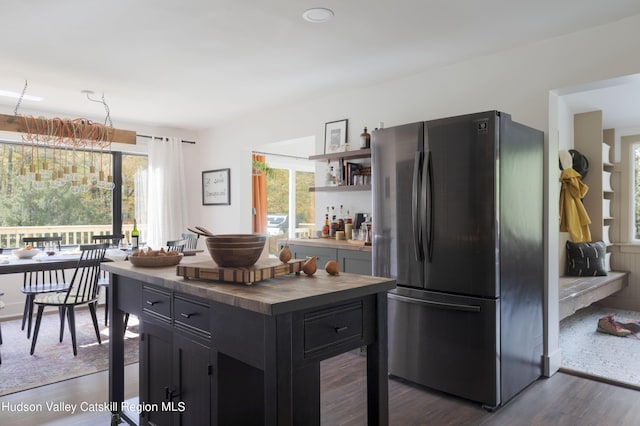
167	202
259	191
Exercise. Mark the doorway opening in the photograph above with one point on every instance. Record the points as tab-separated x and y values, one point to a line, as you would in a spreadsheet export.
586	351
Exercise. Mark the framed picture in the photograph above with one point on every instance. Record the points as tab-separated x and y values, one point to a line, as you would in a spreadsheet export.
216	187
335	136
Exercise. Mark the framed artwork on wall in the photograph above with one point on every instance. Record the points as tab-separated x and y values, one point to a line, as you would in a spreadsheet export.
216	189
335	136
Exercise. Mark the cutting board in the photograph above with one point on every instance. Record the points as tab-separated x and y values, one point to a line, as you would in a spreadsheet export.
262	270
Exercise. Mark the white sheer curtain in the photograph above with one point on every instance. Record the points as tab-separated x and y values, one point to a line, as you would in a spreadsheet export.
167	202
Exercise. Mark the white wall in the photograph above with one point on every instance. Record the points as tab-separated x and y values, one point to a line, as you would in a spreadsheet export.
516	81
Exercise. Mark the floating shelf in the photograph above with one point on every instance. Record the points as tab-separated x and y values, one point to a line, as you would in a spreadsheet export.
345	155
343	188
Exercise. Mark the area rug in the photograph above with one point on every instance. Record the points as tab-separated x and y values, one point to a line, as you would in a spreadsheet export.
601	355
54	361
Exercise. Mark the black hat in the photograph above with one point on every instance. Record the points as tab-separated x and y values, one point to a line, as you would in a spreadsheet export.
580	163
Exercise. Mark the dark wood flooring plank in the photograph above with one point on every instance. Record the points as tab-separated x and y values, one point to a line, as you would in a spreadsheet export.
560	400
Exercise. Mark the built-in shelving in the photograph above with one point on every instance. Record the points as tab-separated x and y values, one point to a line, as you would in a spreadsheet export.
344	155
341	188
595	142
340	157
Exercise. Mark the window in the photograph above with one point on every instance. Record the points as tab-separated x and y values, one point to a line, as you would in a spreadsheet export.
635	176
59	192
630	189
283	203
134	193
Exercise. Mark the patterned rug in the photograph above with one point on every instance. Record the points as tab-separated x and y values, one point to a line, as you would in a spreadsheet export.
598	354
53	361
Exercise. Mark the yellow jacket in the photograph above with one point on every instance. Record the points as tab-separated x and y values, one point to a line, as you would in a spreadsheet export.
573	216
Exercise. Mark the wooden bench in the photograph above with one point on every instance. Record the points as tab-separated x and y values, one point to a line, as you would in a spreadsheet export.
580	292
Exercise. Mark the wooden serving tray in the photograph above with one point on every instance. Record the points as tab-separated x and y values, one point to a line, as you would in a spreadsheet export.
262	270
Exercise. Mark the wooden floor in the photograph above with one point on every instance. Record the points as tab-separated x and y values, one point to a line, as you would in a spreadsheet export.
559	400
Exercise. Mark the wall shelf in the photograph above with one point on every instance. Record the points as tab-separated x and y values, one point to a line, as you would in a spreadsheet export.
341	188
343	155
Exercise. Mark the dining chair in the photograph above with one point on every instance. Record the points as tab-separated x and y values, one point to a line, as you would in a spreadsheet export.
40	282
176	245
41	242
114	240
83	290
103	281
191	241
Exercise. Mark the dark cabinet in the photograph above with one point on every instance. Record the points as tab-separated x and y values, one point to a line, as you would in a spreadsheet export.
205	362
176	365
193	395
156	366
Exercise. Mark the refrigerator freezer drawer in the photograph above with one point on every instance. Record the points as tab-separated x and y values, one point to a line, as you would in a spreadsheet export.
446	342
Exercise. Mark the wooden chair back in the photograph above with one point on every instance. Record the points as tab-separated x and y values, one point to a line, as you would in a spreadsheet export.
40	242
191	241
84	283
114	240
176	245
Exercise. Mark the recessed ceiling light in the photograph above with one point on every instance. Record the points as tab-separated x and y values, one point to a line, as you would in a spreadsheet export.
317	14
19	95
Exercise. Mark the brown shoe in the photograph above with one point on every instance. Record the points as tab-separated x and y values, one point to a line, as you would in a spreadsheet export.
607	324
632	326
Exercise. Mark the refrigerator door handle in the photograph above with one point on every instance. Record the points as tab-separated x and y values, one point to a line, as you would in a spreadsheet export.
434	304
428	210
415	206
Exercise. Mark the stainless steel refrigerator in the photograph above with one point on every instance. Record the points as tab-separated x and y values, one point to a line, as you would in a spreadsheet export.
458	222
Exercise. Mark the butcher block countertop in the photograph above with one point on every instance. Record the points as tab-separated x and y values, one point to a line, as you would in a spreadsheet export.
328	242
273	296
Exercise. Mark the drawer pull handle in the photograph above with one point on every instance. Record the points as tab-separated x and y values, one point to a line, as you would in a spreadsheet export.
151	303
183	315
340	329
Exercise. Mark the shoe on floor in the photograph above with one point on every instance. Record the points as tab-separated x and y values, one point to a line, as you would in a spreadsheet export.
632	326
607	324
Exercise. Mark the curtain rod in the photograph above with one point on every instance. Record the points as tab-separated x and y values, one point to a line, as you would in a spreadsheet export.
279	155
162	137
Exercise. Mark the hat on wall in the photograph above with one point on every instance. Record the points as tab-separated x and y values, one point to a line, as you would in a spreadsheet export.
580	163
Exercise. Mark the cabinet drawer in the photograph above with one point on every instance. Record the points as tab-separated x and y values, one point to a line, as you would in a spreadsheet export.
191	315
156	303
332	326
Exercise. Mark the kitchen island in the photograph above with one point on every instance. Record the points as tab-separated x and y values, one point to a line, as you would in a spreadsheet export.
225	353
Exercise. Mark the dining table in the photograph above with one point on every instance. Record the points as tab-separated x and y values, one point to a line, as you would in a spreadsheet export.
63	259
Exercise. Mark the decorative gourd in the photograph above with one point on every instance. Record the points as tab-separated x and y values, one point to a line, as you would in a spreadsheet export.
309	267
332	267
285	254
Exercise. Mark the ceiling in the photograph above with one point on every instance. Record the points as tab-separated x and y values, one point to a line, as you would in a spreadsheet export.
196	63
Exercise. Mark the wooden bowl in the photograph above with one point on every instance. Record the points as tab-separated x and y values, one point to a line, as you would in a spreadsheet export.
155	261
251	244
235	257
238	238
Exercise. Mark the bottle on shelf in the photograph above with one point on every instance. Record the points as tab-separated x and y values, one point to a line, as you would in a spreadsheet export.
365	139
341	221
348	226
335	226
329	176
325	228
135	236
